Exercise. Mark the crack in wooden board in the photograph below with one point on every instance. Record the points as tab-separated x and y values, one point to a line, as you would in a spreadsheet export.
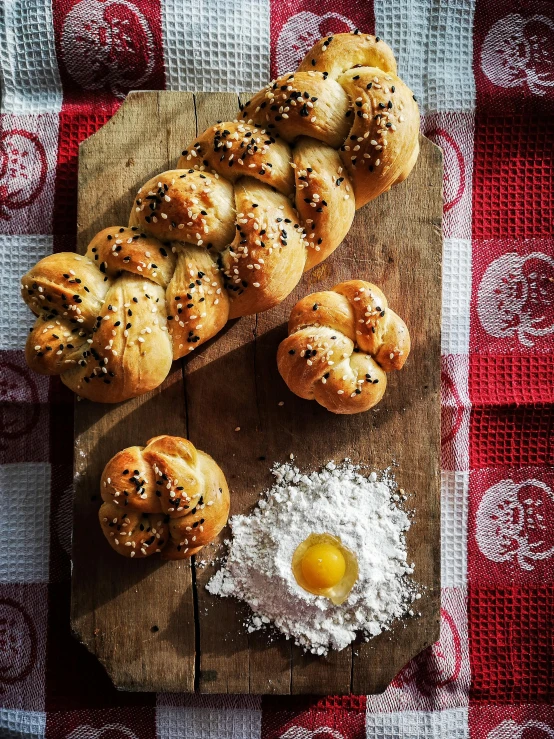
233	382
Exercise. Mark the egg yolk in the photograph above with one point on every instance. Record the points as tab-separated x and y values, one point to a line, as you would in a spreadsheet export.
323	566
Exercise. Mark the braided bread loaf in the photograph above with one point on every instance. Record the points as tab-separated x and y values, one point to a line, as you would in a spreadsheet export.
166	497
252	204
341	344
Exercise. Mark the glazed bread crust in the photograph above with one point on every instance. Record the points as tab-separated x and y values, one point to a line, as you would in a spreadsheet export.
251	205
166	497
341	344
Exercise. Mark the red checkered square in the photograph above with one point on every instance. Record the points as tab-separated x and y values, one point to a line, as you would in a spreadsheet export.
65	241
297	25
438	678
341	703
453	132
28	147
511	437
511	722
511	526
501	380
513	50
511	645
61	522
512	304
75	126
455	413
24	429
334	717
23	614
115	723
61	405
59	395
105	49
513	171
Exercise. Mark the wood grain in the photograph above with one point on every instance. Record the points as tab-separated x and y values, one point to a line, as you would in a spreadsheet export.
233	382
115	607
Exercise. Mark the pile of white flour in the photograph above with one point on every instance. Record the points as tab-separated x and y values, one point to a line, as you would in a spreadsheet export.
364	513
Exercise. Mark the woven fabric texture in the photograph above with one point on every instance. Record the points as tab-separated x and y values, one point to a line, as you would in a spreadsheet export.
483	72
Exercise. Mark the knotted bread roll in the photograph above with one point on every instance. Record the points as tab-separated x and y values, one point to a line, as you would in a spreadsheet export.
341	344
166	497
252	204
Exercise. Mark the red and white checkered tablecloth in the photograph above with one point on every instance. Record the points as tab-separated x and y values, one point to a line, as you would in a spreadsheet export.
483	71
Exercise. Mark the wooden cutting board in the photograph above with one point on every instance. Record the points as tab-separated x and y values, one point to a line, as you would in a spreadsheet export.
153	625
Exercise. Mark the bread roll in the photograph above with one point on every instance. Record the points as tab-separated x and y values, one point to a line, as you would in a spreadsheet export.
166	497
341	344
251	205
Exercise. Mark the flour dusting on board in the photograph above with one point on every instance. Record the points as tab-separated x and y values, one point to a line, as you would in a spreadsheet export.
364	512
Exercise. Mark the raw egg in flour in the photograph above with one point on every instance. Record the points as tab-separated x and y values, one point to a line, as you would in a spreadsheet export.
323	566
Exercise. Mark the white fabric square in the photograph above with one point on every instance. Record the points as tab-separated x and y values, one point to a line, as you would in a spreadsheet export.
454	133
456	296
17	255
212	45
174	722
449	724
433	43
454	512
28	65
450	84
27	181
25	521
404	26
22	724
455	412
